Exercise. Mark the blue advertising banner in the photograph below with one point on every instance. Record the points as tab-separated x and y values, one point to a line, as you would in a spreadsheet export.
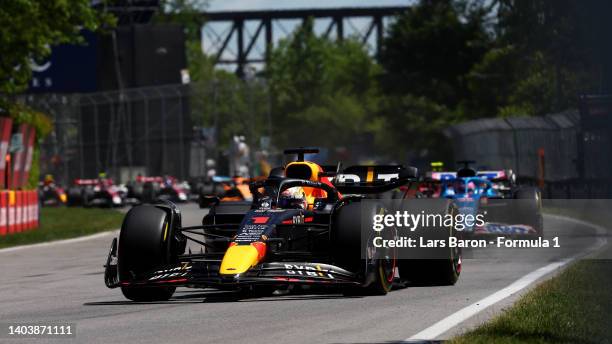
69	69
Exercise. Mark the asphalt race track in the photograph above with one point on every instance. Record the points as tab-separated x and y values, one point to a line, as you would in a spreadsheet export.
64	283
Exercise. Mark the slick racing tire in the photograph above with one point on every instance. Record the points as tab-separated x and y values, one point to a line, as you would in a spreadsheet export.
136	191
86	197
442	266
378	270
529	208
149	192
431	272
75	197
145	242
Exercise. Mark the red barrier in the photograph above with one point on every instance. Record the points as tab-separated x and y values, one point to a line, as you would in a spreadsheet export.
18	211
3	212
11	212
32	209
25	216
35	209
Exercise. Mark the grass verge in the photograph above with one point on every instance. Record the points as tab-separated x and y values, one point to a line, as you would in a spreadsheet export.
64	223
572	307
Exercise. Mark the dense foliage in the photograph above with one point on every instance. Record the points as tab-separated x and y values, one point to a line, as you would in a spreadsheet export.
29	29
442	62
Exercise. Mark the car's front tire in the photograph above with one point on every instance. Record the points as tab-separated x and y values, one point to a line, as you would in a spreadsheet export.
529	204
145	242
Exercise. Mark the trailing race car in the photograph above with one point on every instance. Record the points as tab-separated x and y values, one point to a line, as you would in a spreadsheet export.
171	189
150	189
300	228
508	209
226	189
101	192
502	181
50	194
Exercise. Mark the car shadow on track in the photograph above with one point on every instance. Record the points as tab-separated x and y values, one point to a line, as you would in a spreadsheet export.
216	296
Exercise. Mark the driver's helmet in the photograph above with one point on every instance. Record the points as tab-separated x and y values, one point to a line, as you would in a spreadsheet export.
293	198
471	187
49	179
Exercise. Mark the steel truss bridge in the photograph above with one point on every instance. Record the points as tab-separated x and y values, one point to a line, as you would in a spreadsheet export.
240	42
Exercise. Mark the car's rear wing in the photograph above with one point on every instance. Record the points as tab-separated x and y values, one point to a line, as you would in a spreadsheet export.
440	176
497	176
494	176
149	179
86	182
373	179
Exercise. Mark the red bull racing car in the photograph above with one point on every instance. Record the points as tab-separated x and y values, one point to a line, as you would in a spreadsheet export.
303	227
51	194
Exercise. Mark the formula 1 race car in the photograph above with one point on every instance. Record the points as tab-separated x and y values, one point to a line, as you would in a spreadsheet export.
226	189
101	192
51	194
150	189
171	189
502	181
301	228
507	209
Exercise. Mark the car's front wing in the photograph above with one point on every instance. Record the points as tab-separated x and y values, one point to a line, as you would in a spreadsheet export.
205	273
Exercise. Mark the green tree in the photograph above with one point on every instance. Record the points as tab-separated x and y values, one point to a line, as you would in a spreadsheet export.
412	127
31	27
544	55
184	12
323	92
430	48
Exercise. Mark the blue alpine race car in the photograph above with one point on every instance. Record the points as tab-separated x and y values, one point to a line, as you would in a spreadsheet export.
490	204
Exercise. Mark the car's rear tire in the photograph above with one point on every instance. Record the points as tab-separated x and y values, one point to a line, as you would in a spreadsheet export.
145	242
377	272
530	208
74	196
444	266
149	192
431	272
86	197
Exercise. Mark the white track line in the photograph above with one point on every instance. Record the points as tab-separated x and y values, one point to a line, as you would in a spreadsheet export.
462	315
59	242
